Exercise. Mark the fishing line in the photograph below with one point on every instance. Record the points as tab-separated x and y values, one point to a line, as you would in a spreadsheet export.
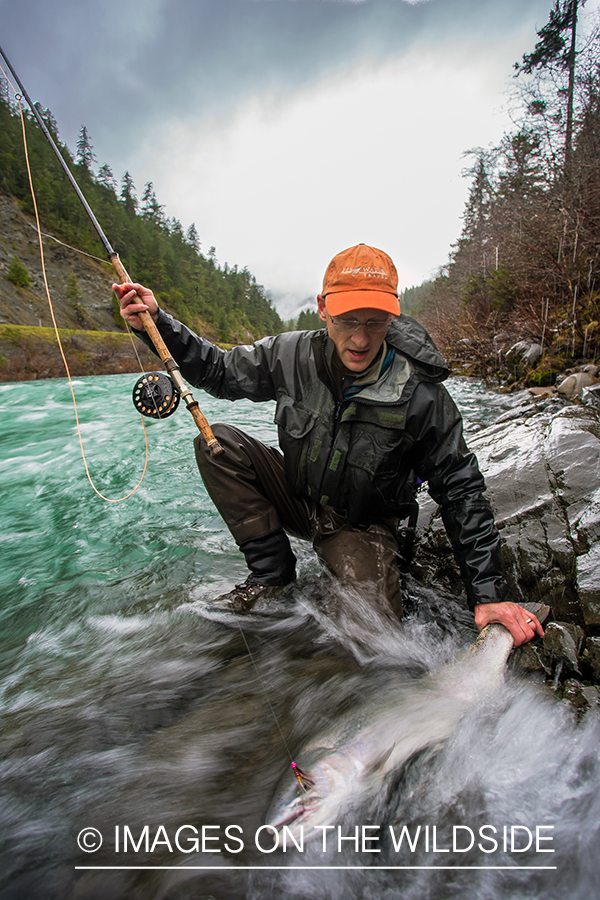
304	781
125	279
68	246
56	332
104	263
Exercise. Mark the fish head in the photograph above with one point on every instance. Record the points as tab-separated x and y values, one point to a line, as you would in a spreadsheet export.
333	778
295	797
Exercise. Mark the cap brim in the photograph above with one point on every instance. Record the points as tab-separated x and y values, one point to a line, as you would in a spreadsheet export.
340	302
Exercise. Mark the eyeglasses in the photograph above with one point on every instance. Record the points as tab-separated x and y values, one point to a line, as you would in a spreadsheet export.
373	326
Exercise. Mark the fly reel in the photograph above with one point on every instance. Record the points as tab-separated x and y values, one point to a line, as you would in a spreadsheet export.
155	395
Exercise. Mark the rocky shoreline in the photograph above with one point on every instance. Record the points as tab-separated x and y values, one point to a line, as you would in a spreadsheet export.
541	460
512	367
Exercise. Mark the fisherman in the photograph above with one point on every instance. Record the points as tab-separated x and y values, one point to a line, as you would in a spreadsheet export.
363	419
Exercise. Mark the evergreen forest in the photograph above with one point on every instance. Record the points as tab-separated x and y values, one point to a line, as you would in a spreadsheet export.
224	302
527	264
525	267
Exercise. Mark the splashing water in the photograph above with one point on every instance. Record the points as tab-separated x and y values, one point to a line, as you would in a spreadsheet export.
126	708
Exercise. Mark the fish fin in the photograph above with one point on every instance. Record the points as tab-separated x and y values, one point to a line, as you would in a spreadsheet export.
381	760
540	610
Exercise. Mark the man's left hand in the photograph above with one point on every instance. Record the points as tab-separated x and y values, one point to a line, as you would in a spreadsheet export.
522	624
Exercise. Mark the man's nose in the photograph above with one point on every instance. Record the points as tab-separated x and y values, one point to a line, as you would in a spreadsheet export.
361	336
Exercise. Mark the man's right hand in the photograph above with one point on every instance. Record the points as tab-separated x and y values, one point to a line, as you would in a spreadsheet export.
134	299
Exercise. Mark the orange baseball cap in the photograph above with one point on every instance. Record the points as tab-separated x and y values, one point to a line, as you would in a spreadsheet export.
361	277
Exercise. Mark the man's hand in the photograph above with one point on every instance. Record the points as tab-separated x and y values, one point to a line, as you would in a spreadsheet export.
522	625
134	299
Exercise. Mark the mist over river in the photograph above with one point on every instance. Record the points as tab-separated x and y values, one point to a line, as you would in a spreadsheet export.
130	708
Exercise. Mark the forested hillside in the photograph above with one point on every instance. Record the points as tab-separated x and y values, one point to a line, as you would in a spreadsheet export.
527	264
224	302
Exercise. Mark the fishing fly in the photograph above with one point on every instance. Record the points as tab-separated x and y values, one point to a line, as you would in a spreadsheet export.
306	783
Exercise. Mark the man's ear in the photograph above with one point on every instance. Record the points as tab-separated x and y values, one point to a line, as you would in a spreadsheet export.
321	307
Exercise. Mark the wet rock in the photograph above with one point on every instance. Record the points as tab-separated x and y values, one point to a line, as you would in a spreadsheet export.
541	470
573	385
591	396
581	696
591	658
587	567
530	659
541	391
522	356
592	694
563	643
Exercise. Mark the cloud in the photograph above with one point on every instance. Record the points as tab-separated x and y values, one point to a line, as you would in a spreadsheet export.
286	129
134	62
354	158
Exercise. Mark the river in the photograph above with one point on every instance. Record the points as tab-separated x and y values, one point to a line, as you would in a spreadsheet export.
130	709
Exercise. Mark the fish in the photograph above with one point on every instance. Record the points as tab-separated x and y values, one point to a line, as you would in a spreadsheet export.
351	762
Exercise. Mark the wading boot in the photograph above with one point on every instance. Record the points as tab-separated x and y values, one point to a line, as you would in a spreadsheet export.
243	597
272	566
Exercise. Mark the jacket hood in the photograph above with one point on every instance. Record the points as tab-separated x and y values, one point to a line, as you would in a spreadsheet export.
408	336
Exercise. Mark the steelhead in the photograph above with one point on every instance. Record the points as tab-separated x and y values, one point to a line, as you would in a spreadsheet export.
351	761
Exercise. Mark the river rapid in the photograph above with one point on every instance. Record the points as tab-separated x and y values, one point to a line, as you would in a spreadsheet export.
128	707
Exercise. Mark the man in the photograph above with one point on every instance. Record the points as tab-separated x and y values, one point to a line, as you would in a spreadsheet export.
362	419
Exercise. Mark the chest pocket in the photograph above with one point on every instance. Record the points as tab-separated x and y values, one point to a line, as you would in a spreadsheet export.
378	440
304	440
292	419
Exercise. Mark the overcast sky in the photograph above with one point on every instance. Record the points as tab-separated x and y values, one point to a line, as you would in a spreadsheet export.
286	130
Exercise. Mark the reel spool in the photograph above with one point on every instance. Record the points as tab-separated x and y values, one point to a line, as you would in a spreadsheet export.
155	395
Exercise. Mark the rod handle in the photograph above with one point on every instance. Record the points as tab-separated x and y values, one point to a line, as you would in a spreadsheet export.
171	366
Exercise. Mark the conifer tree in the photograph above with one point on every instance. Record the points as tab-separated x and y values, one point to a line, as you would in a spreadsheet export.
192	237
127	194
48	119
85	155
106	177
151	208
17	274
556	49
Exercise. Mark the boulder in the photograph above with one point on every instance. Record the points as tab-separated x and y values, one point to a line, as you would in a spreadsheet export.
522	356
591	396
502	340
581	696
573	385
563	642
541	469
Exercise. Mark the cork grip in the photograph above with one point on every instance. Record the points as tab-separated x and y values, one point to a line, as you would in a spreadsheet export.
171	366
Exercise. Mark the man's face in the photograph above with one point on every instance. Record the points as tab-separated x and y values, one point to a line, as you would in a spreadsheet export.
355	350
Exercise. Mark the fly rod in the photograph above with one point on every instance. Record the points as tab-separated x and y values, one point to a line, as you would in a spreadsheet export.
147	320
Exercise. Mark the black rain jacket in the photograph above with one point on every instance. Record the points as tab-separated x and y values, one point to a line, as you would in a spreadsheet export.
363	456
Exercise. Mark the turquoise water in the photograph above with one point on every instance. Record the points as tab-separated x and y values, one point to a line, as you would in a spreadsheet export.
125	702
64	549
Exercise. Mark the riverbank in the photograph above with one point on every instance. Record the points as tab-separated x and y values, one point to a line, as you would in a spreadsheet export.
30	353
512	366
